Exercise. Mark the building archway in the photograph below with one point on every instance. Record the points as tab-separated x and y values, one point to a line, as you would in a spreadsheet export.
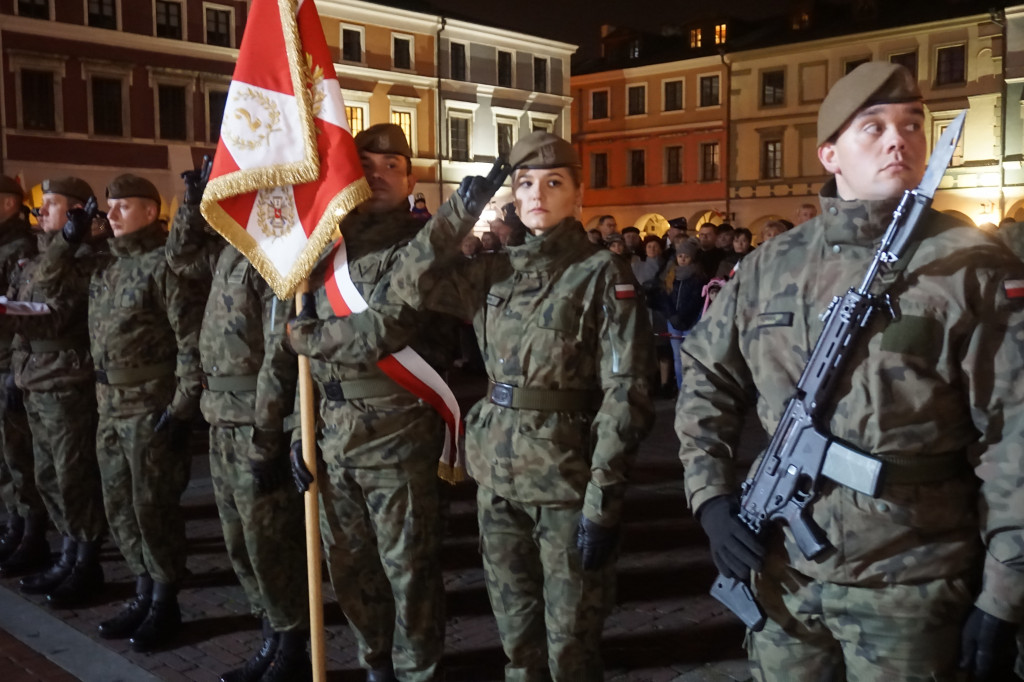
1016	211
651	223
756	225
698	219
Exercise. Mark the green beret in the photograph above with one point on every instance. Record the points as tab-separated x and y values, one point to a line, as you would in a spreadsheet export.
869	84
127	186
384	138
541	149
71	187
9	185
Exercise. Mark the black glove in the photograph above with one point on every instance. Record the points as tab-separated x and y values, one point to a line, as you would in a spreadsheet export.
13	395
269	475
195	181
177	430
988	646
596	543
301	327
476	191
735	549
300	474
79	224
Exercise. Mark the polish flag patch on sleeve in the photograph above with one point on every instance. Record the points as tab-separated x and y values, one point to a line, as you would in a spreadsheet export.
629	291
1014	288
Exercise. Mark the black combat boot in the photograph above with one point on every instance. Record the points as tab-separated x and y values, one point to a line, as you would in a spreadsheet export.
254	668
162	622
11	537
41	583
33	552
381	675
128	621
83	583
291	663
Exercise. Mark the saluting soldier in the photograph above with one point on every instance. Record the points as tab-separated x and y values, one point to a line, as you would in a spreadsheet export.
565	341
26	520
934	392
144	326
53	366
248	391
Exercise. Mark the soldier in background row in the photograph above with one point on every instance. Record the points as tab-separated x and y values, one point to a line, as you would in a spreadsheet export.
23	545
248	390
53	366
565	343
934	393
143	324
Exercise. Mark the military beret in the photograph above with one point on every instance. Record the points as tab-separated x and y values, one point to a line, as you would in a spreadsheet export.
127	186
71	187
384	138
689	247
541	149
9	185
869	84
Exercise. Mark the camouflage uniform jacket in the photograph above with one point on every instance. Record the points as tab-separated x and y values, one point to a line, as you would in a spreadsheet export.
555	313
142	315
243	334
945	377
59	277
348	348
192	245
17	246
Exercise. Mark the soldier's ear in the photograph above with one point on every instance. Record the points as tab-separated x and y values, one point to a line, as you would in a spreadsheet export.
829	157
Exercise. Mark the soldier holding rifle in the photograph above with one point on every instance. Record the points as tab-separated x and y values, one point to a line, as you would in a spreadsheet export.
920	573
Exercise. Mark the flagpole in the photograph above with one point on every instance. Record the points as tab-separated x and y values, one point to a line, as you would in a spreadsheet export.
313	575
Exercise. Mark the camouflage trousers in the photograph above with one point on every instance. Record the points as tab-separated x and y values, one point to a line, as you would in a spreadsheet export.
63	425
381	533
143	481
823	631
17	458
550	612
264	534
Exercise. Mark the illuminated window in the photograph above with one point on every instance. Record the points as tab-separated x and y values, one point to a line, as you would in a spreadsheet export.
695	37
720	34
355	119
403	119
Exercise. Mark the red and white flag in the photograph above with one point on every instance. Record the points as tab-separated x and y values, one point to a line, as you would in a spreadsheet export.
286	169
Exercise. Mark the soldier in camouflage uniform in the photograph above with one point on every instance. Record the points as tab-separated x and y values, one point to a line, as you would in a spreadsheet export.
53	367
932	392
144	325
248	389
565	340
380	517
17	478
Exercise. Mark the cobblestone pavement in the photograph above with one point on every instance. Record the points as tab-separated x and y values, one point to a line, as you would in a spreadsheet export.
665	626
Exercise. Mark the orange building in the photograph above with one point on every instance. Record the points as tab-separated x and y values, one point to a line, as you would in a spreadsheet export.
653	142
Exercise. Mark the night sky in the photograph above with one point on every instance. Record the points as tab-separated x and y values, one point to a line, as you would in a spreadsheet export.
579	21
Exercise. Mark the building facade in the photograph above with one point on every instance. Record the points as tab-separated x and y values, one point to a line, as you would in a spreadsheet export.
777	91
99	87
653	142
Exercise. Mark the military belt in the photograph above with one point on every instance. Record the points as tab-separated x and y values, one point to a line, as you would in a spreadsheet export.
360	389
239	383
550	400
913	469
53	345
134	375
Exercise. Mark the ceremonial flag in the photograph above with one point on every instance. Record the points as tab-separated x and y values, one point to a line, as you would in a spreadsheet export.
286	169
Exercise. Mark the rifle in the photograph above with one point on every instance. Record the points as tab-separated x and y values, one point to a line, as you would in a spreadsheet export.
801	450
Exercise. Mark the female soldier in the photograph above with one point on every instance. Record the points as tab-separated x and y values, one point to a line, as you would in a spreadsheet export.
566	344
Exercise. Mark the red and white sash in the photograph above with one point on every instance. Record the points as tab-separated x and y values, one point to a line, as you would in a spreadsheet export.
406	367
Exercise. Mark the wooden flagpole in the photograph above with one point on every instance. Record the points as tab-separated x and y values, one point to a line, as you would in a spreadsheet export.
313	574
